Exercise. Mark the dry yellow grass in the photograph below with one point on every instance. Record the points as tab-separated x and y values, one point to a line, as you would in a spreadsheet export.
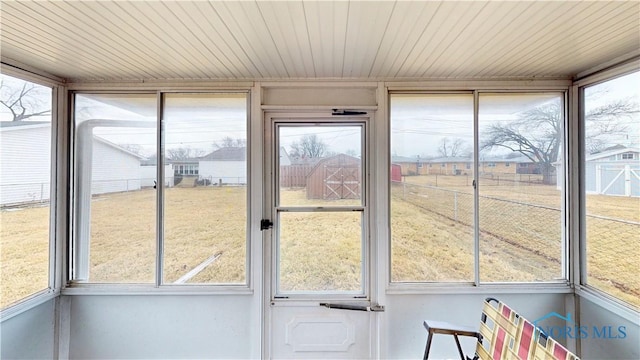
200	222
511	233
24	253
319	251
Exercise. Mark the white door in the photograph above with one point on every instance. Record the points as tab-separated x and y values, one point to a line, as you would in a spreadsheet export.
318	275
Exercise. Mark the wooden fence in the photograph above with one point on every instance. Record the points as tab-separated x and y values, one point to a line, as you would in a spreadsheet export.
294	175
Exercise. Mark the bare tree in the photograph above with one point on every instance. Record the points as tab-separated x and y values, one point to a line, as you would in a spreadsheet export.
451	148
229	142
134	148
183	153
309	146
605	120
537	134
23	101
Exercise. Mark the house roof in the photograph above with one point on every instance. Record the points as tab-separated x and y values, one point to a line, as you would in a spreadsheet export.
153	160
519	159
117	147
450	159
341	159
405	159
14	125
614	150
458	159
226	154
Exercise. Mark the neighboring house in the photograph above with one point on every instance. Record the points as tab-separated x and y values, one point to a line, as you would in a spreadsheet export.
227	165
456	165
613	171
453	165
25	155
115	169
148	173
185	167
498	166
25	148
285	159
515	165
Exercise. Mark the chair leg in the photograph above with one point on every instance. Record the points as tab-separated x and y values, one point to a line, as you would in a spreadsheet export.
428	347
455	336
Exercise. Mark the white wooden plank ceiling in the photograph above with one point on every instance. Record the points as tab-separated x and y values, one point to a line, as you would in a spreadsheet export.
132	40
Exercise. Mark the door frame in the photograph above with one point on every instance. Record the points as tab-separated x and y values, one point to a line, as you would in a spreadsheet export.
371	256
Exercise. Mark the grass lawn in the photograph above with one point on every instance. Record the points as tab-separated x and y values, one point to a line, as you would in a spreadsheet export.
432	239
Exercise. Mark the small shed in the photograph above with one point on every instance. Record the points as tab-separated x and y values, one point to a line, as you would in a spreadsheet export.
396	172
334	178
614	171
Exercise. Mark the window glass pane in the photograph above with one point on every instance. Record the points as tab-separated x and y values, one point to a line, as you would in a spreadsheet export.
432	206
25	173
521	237
320	251
320	165
116	202
205	215
612	185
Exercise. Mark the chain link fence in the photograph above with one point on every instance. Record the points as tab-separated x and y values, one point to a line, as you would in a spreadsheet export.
528	237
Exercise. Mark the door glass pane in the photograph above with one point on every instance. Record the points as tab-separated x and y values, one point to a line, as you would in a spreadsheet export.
612	186
320	165
320	251
116	200
431	187
520	187
25	175
205	193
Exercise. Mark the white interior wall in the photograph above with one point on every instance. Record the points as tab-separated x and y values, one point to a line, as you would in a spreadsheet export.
29	335
617	343
162	327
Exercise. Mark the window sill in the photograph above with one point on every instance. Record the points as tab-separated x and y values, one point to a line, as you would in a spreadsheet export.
28	303
559	287
150	289
609	303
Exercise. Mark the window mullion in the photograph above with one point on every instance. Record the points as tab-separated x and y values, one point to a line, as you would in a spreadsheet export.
160	190
476	199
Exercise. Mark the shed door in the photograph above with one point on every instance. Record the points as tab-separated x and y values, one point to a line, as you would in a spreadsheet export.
319	303
341	181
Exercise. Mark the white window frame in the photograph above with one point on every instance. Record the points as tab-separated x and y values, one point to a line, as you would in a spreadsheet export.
57	197
158	287
582	288
553	286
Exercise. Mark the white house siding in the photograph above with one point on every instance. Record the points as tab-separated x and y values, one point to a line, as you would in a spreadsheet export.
148	175
25	164
114	170
229	172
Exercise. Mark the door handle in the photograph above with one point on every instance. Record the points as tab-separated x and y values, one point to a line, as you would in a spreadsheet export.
373	307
